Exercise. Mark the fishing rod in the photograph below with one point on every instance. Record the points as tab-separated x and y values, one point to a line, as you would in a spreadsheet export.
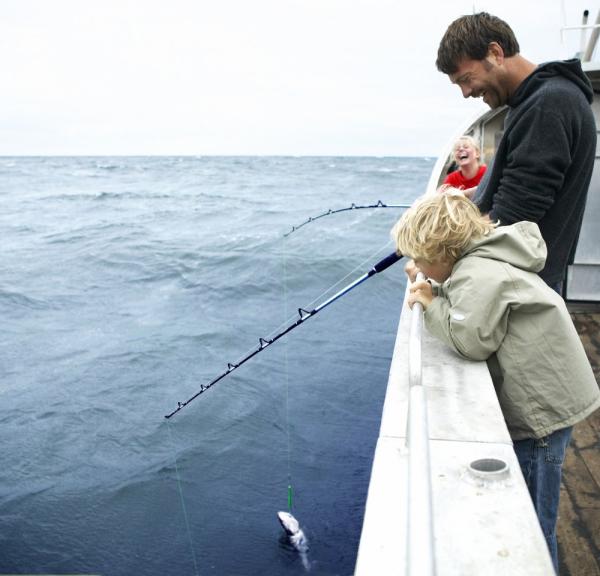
379	204
303	316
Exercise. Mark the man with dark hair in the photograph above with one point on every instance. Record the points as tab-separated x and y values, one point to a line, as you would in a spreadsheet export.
540	173
470	37
543	165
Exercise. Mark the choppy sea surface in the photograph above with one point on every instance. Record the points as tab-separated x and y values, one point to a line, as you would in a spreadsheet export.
128	282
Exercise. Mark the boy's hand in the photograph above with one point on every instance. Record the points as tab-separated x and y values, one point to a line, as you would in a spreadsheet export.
422	292
411	270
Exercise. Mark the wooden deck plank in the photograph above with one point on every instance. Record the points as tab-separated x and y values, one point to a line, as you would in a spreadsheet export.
576	556
582	487
590	456
594	419
586	436
578	528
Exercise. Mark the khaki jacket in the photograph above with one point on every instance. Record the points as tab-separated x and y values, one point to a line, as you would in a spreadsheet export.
495	307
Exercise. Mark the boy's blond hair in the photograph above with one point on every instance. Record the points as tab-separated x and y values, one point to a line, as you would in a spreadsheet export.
440	227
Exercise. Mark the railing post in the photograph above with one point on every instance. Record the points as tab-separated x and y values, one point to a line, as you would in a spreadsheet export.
589	52
420	554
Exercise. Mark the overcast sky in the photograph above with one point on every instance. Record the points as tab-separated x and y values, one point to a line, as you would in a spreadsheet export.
300	77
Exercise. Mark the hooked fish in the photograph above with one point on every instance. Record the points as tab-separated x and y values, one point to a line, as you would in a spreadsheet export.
295	535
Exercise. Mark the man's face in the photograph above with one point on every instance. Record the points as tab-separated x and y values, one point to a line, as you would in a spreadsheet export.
481	79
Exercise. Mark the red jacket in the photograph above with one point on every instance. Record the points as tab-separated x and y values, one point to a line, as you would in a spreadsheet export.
457	180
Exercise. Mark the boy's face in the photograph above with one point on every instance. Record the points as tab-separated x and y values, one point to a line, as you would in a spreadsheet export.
438	271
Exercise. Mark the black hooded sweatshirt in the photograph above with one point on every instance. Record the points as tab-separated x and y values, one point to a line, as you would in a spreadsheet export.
543	165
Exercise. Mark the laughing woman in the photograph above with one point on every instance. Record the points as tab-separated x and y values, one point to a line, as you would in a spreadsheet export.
470	171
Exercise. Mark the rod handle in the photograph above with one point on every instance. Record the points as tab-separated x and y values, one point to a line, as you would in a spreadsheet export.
386	262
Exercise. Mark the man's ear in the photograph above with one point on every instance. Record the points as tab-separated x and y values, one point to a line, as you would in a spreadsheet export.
495	54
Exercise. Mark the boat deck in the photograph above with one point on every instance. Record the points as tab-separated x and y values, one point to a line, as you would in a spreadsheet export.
579	514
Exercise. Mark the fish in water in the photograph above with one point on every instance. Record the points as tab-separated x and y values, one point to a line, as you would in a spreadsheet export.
295	535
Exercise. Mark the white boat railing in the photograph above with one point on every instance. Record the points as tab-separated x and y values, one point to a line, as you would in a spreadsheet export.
420	549
587	51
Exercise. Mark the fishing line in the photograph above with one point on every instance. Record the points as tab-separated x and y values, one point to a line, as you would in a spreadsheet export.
286	356
287	386
290	490
353	206
303	315
182	500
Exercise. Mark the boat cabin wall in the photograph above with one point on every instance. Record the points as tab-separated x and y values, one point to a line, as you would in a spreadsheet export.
583	275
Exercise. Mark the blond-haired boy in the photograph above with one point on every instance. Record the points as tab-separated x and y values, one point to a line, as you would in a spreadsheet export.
491	305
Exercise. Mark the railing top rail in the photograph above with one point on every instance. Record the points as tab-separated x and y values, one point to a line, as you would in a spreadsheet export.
420	534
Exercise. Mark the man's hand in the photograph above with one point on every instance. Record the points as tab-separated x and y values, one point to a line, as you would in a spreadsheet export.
422	292
470	192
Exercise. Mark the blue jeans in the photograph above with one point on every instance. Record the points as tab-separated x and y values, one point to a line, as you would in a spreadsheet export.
541	463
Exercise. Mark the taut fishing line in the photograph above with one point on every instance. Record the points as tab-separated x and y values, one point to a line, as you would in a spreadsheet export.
182	500
286	356
287	388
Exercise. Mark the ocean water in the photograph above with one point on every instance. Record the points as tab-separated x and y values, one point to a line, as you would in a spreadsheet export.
126	283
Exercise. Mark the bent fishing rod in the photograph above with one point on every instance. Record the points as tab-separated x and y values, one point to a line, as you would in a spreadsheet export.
303	316
329	212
